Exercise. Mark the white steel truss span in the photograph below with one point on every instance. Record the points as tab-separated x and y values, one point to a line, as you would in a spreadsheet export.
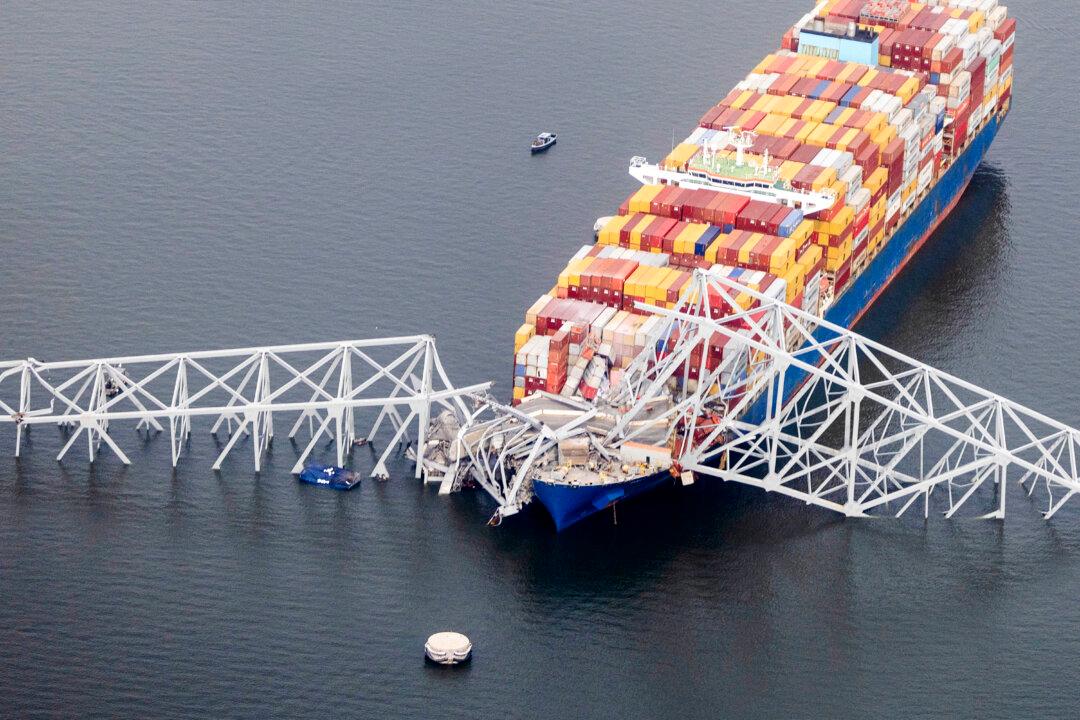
867	431
328	385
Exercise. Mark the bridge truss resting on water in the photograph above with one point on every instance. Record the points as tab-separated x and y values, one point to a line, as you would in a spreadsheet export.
867	431
325	386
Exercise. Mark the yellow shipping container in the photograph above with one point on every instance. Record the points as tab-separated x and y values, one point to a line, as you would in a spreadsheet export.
796	68
821	135
802	232
680	155
519	392
976	20
652	290
789	169
876	122
876	180
762	67
908	89
641	201
849	70
744	251
665	285
684	241
867	78
805	130
784	105
635	234
770	125
884	60
523	335
846	139
783	257
795	283
824	180
812	255
609	234
742	100
572	274
843	218
815	66
765	103
844	116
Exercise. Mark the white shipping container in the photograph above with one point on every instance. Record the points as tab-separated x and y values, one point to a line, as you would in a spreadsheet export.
822	158
970	46
925	176
891	105
871	99
901	121
995	17
860	199
947	43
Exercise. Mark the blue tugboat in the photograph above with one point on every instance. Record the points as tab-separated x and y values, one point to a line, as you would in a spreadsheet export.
329	476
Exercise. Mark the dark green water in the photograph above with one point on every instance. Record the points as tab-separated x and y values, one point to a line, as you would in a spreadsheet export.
190	175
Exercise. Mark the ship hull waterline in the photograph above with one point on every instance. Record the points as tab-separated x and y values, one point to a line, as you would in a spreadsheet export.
570	504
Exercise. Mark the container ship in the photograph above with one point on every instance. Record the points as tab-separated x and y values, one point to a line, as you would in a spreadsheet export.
814	180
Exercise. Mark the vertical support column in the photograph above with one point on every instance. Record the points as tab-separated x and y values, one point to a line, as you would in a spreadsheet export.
179	427
776	398
258	422
24	405
851	441
343	434
1002	459
424	409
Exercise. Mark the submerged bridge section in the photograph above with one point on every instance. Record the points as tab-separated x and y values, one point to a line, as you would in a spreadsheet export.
327	387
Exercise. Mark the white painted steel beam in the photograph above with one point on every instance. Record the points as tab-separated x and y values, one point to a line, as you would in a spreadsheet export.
868	431
244	389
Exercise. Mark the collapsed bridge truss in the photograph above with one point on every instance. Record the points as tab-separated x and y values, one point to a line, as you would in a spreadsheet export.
840	421
326	386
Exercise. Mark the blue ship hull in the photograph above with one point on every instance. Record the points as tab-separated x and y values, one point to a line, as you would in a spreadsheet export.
569	504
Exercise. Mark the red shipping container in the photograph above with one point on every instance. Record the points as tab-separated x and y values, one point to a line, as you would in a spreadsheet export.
778	216
729	246
978	79
624	232
710	115
804	87
786	148
951	62
761	253
869	158
1006	29
805	153
659	202
749	217
669	237
783	84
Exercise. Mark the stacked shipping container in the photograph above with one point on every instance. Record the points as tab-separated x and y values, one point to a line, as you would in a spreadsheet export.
872	135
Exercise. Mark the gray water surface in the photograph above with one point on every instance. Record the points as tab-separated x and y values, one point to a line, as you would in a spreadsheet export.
193	175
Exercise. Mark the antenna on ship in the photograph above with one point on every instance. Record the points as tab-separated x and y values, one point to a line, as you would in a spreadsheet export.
740	140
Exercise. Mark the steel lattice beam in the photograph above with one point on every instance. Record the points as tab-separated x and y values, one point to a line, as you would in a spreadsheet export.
244	389
867	429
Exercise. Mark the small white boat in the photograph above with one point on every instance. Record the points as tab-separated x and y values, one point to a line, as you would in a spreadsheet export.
542	142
